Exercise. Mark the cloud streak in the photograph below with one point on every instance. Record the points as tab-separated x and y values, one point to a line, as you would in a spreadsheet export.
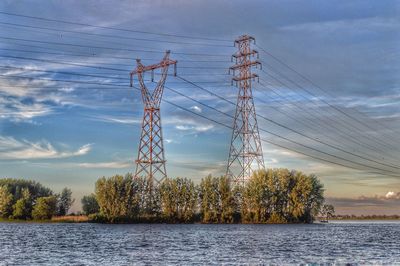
106	165
13	149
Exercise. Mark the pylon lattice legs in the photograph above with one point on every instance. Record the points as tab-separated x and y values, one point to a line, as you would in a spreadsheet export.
151	160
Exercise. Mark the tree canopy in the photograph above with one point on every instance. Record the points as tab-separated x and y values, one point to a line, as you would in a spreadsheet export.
20	198
270	196
44	208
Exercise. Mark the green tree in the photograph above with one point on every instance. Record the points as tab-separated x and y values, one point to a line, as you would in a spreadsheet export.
217	200
226	200
149	197
44	208
315	200
89	204
279	185
6	202
256	198
23	207
209	199
281	196
120	198
65	202
178	199
299	196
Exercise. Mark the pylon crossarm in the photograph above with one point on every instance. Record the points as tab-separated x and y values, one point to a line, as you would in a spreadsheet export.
245	77
245	39
245	65
241	54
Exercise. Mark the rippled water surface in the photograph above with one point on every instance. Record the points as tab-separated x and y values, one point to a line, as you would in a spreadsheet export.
98	244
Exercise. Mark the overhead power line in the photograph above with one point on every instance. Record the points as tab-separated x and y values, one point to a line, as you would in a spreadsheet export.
107	48
102	56
286	127
385	172
112	36
181	36
114	28
346	124
316	123
88	66
320	88
332	122
124	70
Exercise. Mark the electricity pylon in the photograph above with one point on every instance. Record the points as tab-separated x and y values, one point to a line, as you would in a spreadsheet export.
150	162
245	153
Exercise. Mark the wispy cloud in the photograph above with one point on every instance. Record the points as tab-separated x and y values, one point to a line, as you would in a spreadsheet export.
194	128
360	24
13	149
16	110
106	165
117	119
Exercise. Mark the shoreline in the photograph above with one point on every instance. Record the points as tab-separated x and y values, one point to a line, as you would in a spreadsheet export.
85	219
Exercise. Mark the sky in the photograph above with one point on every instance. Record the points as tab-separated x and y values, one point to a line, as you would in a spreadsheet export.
330	72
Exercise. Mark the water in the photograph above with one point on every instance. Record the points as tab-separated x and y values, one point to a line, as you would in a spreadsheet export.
99	244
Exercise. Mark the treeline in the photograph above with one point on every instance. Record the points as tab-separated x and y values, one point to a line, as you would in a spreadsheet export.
271	196
365	217
25	200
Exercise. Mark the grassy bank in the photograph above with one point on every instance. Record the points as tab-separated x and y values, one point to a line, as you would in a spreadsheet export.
70	219
55	219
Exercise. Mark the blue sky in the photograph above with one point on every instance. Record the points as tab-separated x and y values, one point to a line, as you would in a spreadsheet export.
70	134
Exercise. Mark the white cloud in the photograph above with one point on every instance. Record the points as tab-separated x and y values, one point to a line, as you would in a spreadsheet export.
202	128
107	165
118	120
168	141
196	109
42	95
10	148
392	195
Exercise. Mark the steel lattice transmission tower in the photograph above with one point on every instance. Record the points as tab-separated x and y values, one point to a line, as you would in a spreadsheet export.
245	153
150	162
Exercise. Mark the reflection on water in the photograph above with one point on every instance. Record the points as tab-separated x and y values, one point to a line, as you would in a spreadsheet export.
95	244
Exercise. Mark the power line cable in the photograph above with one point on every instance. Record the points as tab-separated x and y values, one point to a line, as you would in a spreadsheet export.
97	76
318	126
112	36
345	124
318	158
113	28
286	127
331	124
319	87
109	57
107	48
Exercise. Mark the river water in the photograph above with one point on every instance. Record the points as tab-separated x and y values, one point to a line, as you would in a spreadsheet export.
167	244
